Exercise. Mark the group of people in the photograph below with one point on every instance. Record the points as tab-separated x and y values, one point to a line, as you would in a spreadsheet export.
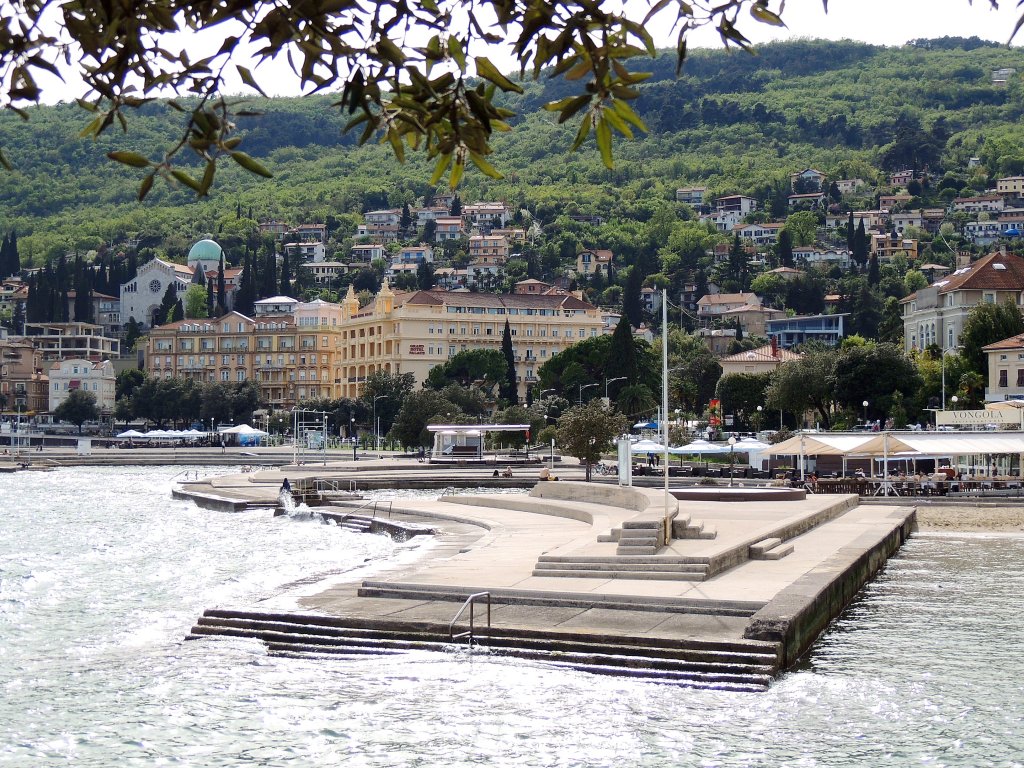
507	472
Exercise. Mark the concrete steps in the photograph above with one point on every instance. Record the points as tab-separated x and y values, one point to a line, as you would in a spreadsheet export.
769	549
740	665
628	563
581	600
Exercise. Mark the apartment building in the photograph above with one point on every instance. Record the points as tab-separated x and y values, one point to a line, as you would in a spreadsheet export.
299	351
96	378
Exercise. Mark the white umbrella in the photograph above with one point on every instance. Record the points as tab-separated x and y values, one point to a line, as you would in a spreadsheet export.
131	433
647	446
193	433
243	429
699	448
157	433
750	445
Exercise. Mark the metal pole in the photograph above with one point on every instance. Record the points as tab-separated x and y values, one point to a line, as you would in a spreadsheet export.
664	406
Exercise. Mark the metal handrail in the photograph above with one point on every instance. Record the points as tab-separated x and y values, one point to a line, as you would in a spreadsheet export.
185	472
470	603
372	505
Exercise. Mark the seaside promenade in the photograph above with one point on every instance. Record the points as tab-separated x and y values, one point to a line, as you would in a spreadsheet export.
758	578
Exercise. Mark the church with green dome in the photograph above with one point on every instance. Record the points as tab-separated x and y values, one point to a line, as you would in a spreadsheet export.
207	253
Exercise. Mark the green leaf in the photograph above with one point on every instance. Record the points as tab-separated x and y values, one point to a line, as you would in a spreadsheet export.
583	132
248	79
185	179
442	166
145	186
456	51
456	176
134	159
251	165
623	110
486	70
604	141
484	166
617	123
207	182
762	14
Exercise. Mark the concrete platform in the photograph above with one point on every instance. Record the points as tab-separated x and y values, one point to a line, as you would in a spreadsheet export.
485	544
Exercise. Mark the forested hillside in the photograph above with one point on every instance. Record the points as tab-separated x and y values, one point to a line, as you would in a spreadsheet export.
731	121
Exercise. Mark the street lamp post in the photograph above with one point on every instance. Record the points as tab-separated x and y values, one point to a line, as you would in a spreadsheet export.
376	426
758	425
586	386
954	399
352	436
732	445
865	404
612	381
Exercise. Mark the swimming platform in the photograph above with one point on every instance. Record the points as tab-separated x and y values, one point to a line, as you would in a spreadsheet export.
712	591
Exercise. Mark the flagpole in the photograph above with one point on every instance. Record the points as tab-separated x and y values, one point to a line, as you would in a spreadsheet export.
664	406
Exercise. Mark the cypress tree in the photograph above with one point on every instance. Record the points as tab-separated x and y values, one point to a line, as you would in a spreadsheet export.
222	293
874	274
785	248
268	285
246	295
860	245
850	233
177	312
632	310
199	276
14	258
167	304
508	390
5	248
209	299
622	359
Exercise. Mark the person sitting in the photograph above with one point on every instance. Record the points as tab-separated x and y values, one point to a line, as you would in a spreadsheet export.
507	472
286	487
494	473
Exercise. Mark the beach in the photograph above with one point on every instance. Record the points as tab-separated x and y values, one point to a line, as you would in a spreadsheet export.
971	518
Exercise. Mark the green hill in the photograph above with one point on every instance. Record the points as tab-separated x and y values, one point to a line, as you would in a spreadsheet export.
731	121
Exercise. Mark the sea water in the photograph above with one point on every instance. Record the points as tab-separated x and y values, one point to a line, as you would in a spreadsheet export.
102	574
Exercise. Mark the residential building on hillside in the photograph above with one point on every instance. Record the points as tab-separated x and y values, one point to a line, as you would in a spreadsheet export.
717	340
978	204
901	178
308	251
759	234
900	221
809	178
414	254
891	201
430	213
485	216
691	195
714	306
872	219
532	287
936	314
13	295
650	300
887	246
807	200
489	248
380	225
790	331
786	273
741	204
367	252
448	228
593	260
761	360
106	311
811	256
314	233
326	272
724	221
848	186
1010	187
752	318
23	380
57	341
1005	369
96	378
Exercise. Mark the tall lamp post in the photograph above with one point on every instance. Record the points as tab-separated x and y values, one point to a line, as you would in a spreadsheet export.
612	381
376	426
586	386
352	436
732	445
865	404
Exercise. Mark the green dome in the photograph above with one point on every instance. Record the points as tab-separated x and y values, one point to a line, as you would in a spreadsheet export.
205	250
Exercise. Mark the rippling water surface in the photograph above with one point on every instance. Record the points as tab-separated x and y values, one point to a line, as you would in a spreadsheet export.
103	574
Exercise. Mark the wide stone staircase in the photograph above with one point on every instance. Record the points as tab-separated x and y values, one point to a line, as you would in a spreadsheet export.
739	665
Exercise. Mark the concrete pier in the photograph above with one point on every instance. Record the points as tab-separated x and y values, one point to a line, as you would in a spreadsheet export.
756	580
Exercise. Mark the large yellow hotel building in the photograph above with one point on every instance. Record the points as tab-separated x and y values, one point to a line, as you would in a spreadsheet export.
299	351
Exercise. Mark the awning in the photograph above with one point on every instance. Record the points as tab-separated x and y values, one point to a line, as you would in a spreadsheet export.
821	444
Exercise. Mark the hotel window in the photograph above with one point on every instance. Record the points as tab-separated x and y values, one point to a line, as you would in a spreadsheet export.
583	333
241	375
1020	377
225	375
1002	378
